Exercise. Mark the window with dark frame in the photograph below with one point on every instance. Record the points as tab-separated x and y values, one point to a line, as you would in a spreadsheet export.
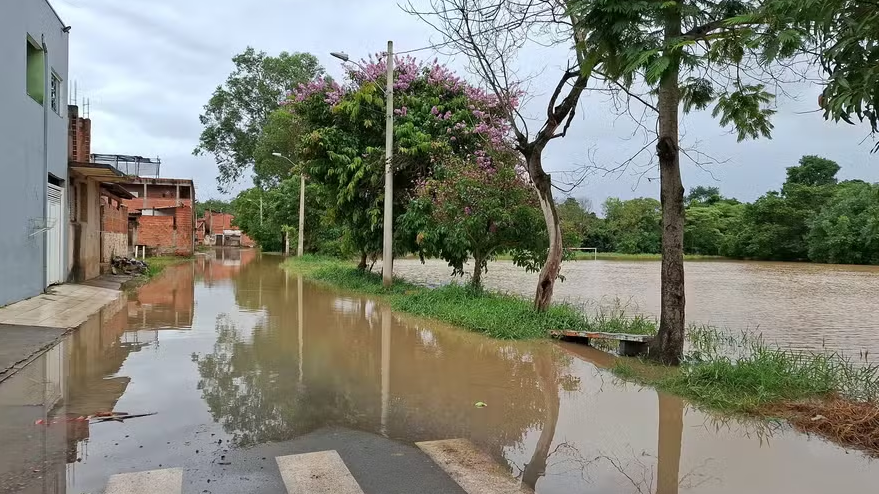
55	93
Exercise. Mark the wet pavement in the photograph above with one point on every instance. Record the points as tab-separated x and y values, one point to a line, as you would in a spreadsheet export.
243	364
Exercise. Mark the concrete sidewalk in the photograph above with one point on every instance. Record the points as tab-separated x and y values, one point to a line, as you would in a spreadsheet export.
29	327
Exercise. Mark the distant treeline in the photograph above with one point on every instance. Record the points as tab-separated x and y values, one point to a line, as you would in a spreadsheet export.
813	217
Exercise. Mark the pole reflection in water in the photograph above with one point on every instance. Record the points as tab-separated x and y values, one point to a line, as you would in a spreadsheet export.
301	330
386	366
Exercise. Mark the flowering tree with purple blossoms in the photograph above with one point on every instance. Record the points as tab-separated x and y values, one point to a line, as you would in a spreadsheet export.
438	118
470	209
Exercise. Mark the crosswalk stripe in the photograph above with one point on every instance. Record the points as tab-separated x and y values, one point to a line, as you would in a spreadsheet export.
323	472
166	481
472	469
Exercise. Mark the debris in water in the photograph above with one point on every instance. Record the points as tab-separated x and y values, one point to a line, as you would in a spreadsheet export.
118	416
481	404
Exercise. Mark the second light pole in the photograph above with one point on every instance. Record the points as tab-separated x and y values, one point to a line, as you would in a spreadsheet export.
388	230
301	246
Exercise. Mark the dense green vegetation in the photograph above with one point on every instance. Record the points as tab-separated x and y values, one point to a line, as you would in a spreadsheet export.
496	315
812	218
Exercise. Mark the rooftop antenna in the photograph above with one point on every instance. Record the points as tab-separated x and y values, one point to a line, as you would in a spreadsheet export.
86	107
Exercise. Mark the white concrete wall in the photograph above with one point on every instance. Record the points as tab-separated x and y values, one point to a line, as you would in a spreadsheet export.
23	149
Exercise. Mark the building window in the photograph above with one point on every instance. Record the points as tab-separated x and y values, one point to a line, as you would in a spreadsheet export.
36	77
55	93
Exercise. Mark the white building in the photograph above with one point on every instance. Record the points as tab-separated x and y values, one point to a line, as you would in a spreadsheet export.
33	149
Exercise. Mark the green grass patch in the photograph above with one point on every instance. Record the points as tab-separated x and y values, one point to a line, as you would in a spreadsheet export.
155	265
744	375
616	256
497	315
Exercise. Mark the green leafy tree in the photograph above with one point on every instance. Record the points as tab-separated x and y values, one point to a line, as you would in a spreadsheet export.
281	133
843	40
438	116
690	54
470	211
238	110
709	225
635	224
703	195
776	225
812	171
575	220
846	230
267	215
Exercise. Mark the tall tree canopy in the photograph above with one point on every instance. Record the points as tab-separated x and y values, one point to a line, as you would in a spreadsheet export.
437	116
690	54
238	110
843	37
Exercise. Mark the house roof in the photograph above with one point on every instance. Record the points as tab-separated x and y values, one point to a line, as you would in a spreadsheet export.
100	171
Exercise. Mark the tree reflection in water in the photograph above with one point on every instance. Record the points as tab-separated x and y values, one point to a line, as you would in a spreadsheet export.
362	367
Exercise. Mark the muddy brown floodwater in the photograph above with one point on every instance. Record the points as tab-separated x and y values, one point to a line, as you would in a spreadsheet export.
798	305
233	354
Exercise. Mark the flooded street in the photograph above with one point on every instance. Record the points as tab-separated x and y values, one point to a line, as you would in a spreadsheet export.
239	360
798	305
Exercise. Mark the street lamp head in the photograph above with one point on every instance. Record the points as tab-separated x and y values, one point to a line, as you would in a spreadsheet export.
340	55
279	155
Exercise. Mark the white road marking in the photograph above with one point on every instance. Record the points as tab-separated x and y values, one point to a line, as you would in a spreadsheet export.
475	471
323	472
167	481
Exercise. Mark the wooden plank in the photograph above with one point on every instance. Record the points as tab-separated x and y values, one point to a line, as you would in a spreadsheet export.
323	472
567	333
475	471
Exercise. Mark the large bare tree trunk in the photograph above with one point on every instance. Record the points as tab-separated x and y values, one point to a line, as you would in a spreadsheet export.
670	341
546	281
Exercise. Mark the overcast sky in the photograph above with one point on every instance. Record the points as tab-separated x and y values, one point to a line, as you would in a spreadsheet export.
148	67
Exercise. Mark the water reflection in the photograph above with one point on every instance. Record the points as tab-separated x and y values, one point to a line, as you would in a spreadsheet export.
350	362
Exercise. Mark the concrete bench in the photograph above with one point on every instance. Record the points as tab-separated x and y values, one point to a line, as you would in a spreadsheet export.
631	345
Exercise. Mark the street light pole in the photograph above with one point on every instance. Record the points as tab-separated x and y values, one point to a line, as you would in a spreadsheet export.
388	229
300	248
388	240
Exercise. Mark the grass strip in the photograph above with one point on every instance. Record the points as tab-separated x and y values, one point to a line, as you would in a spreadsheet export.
497	315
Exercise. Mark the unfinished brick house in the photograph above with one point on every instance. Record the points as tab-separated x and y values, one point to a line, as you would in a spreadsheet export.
93	191
219	229
161	217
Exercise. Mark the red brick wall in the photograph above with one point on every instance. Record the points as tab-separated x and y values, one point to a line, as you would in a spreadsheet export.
165	234
79	136
114	216
184	230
